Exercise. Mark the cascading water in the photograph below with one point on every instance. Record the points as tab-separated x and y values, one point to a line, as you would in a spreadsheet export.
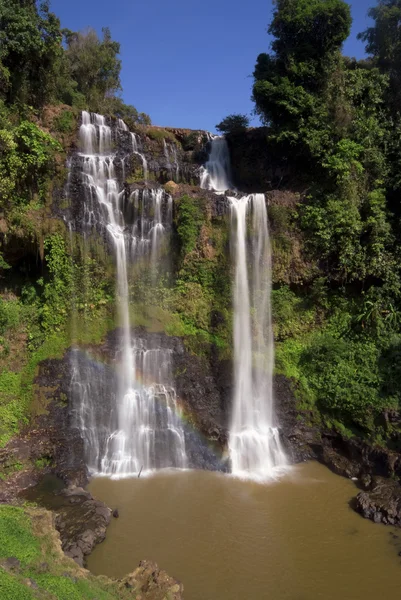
135	150
170	153
142	429
216	174
254	441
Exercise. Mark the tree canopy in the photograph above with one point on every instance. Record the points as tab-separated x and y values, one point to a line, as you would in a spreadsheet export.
40	63
30	49
338	121
383	44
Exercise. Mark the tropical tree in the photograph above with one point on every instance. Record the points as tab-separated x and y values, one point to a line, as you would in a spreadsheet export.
30	48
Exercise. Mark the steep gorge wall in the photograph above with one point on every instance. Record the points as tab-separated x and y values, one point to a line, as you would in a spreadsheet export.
191	306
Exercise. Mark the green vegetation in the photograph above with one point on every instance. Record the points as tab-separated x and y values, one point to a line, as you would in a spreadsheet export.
36	69
337	121
160	135
27	536
233	124
26	163
191	295
16	535
73	300
47	75
202	298
337	282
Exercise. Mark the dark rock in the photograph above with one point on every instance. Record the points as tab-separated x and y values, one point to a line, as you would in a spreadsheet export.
366	482
382	504
82	524
11	564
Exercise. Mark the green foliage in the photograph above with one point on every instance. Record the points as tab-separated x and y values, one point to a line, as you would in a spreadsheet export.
202	294
344	376
26	163
58	290
161	135
114	106
233	124
94	66
189	222
12	407
390	367
30	48
35	68
65	122
383	44
289	83
41	463
10	315
291	314
11	588
309	30
27	535
16	537
196	140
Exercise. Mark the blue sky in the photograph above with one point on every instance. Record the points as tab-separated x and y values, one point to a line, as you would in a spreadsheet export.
188	63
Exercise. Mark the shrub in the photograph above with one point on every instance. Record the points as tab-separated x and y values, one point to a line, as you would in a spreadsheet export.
161	134
233	124
65	122
345	377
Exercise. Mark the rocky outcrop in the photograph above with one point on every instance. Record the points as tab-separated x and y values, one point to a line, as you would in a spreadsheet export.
49	564
82	522
381	502
149	582
198	387
256	164
375	469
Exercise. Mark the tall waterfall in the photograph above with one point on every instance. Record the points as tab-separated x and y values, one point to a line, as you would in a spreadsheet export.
142	429
216	175
254	441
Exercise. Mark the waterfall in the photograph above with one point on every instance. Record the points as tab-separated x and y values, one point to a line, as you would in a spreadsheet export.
135	150
122	125
170	154
216	175
139	427
254	441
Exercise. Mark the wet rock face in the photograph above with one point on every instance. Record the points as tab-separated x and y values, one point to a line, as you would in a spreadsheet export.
82	522
198	387
203	388
255	164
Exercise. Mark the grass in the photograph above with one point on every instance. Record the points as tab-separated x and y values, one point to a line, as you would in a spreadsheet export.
12	589
16	536
27	534
161	134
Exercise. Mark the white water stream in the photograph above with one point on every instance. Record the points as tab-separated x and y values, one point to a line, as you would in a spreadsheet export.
254	442
144	429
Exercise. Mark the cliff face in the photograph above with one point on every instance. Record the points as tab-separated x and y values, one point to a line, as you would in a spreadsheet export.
64	263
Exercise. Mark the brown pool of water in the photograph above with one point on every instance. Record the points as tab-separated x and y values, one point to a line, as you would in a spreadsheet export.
226	539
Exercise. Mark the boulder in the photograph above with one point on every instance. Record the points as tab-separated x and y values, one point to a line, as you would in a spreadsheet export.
382	503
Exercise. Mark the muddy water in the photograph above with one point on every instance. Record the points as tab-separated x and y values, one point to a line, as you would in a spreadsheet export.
227	539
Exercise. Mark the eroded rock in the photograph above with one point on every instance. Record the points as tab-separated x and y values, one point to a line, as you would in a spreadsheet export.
148	582
82	522
382	503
